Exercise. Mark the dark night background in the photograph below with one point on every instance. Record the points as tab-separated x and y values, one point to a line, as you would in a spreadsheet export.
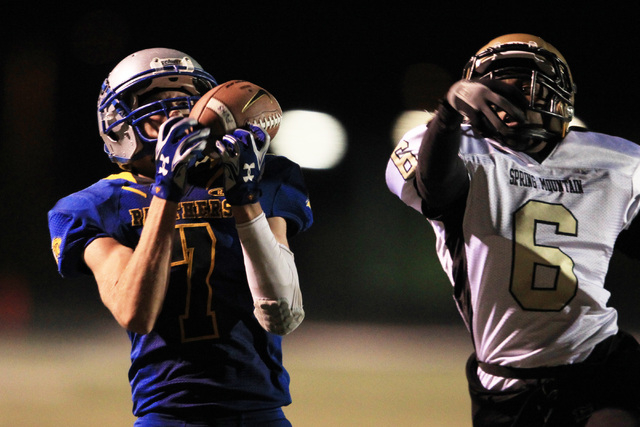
367	257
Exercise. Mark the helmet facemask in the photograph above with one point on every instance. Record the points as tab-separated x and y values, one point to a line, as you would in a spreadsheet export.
160	101
544	79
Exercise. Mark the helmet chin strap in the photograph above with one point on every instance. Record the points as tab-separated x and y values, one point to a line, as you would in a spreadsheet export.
528	139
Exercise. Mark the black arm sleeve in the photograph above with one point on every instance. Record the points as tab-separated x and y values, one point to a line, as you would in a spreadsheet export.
442	178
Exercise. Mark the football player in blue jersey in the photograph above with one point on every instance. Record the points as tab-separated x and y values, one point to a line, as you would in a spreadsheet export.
526	212
189	248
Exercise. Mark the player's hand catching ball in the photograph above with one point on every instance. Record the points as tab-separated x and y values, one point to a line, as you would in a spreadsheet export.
481	100
180	140
242	154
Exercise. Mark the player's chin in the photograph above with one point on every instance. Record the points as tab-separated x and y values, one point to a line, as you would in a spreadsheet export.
525	145
144	166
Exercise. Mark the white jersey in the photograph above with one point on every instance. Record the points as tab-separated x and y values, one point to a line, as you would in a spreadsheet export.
529	257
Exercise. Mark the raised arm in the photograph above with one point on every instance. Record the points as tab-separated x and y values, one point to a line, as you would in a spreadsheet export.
133	282
441	176
271	271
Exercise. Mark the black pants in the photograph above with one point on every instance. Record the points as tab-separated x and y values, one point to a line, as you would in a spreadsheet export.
562	396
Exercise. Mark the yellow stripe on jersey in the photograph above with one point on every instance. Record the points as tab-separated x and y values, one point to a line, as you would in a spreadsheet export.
123	175
129	177
135	190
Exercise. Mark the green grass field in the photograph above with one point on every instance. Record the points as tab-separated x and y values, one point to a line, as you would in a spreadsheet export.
342	375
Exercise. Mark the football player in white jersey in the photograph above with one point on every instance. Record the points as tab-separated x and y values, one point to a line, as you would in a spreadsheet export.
526	212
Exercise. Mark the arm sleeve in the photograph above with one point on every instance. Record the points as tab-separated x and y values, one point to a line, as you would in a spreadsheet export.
272	277
442	178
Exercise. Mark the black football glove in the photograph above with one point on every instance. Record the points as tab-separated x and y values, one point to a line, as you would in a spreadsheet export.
481	100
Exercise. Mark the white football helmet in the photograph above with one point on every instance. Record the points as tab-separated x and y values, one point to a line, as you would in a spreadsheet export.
130	94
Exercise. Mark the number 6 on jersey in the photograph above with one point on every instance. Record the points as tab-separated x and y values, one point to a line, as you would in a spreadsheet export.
542	277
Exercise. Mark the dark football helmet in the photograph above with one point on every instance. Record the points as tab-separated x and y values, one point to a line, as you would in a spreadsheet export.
148	82
544	76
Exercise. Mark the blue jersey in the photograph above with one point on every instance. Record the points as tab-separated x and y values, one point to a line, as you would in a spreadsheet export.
207	354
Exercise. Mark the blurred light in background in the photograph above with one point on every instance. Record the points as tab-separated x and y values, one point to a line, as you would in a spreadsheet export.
407	121
312	139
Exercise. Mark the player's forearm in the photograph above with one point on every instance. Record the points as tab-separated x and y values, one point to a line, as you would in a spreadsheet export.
139	293
271	273
441	174
245	213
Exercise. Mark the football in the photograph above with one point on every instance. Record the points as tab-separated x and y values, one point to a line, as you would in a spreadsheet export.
234	104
